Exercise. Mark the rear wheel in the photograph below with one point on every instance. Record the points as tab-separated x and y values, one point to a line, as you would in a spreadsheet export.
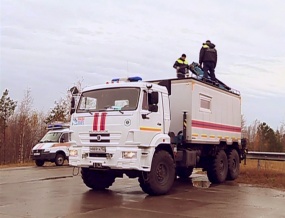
97	180
161	177
218	169
59	159
184	172
233	159
39	163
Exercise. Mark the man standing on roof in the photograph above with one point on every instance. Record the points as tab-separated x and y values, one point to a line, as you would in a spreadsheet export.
181	66
208	57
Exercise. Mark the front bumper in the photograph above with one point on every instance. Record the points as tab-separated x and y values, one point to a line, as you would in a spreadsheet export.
46	156
112	158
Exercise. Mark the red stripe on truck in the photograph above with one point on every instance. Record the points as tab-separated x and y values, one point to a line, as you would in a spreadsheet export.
103	121
215	126
95	122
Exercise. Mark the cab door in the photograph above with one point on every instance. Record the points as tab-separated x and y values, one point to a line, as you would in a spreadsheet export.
150	116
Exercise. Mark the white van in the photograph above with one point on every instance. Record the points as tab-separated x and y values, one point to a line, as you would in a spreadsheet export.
53	147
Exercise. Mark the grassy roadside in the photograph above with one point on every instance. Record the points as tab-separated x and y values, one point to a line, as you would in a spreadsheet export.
27	164
271	174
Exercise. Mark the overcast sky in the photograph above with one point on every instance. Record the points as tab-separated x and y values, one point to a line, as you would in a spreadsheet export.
48	46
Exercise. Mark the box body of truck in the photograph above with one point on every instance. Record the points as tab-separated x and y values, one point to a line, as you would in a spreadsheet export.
213	114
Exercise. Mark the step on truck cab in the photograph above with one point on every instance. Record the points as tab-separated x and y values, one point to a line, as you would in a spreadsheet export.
156	131
53	147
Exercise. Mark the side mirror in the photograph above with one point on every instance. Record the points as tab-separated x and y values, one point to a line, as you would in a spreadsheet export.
153	98
153	108
72	110
72	103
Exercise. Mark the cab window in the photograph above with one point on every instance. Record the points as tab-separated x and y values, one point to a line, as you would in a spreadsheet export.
145	101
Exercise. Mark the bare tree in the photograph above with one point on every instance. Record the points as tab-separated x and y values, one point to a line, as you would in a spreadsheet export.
24	121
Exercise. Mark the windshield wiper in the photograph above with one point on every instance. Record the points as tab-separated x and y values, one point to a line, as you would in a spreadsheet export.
112	108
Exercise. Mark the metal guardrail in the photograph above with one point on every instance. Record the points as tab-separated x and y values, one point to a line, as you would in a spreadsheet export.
274	156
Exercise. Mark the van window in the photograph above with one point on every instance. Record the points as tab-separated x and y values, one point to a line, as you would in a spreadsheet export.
64	137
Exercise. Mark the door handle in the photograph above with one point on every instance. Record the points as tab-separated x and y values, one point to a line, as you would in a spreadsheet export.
159	124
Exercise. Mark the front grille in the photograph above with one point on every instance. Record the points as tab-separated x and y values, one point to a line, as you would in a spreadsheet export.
97	155
38	151
99	137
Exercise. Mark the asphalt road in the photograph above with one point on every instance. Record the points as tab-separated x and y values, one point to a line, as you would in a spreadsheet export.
54	192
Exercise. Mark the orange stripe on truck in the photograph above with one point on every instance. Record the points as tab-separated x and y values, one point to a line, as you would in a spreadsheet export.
146	128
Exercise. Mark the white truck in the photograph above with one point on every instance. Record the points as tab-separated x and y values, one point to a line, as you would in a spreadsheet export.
53	147
156	131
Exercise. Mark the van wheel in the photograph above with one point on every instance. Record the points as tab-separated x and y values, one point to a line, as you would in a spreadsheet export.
97	180
59	159
218	169
184	172
39	163
161	177
233	159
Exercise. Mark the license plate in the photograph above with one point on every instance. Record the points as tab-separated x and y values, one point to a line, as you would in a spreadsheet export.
98	149
37	154
97	165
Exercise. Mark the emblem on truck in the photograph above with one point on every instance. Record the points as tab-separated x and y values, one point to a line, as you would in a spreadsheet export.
127	122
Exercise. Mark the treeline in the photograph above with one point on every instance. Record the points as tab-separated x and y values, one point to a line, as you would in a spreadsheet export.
261	137
21	128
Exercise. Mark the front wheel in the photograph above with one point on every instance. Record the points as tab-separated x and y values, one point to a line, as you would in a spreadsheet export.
39	163
59	159
161	177
97	180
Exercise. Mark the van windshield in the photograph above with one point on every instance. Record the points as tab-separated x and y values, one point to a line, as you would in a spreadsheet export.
121	99
51	137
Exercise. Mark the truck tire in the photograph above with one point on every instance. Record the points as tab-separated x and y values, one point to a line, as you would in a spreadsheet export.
97	180
59	159
184	172
39	163
218	169
161	177
233	160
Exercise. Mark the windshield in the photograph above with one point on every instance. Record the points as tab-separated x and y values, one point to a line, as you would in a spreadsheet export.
122	99
51	137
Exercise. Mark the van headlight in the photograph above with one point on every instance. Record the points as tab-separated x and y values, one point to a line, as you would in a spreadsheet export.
73	153
47	150
129	154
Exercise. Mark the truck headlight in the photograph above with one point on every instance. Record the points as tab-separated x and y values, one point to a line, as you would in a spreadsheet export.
73	152
129	154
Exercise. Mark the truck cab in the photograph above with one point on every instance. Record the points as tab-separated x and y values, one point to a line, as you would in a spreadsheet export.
53	147
118	125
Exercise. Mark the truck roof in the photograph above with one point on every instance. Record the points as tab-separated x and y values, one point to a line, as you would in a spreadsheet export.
139	84
161	84
220	85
